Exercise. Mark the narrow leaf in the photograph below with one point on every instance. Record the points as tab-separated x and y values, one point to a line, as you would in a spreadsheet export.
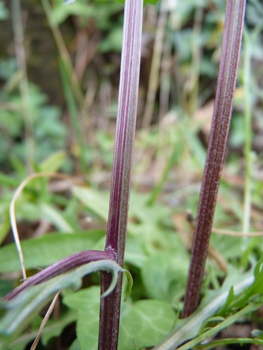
46	250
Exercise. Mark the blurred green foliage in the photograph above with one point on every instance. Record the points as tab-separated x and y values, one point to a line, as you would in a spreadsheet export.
168	162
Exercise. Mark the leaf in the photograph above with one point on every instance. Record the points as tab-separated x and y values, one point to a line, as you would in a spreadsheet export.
8	180
24	306
61	12
56	217
165	274
220	343
257	333
46	250
4	14
97	201
5	287
70	213
53	163
87	303
188	328
113	41
134	253
248	309
146	321
75	345
52	329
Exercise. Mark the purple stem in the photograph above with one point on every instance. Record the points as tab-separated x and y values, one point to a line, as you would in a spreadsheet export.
231	45
64	265
122	164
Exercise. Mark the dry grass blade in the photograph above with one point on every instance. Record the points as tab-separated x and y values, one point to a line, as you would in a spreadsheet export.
45	319
12	208
236	233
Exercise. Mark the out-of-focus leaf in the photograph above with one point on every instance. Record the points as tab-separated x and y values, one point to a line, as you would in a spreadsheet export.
54	162
113	42
96	201
4	14
61	12
8	180
75	345
5	287
4	229
70	214
257	333
53	328
56	218
46	250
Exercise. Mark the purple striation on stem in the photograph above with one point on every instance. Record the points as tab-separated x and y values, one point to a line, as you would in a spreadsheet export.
231	45
61	266
122	164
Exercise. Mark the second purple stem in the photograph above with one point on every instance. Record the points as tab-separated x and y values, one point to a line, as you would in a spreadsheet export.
231	45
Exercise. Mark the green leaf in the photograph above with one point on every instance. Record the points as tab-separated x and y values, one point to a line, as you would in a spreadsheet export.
4	229
153	2
56	217
26	304
257	333
4	14
87	303
52	329
97	201
75	345
61	12
134	253
164	274
113	42
8	180
5	287
248	309
146	321
70	213
223	342
46	250
188	328
53	163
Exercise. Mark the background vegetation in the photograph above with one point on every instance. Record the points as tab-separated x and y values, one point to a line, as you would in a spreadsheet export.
59	71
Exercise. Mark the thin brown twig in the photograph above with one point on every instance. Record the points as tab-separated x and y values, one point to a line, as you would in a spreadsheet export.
156	60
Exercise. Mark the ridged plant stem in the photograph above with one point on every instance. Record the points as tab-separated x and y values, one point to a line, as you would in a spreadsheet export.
248	133
121	173
232	37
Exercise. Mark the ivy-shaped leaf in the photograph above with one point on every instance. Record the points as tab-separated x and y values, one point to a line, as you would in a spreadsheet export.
144	322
